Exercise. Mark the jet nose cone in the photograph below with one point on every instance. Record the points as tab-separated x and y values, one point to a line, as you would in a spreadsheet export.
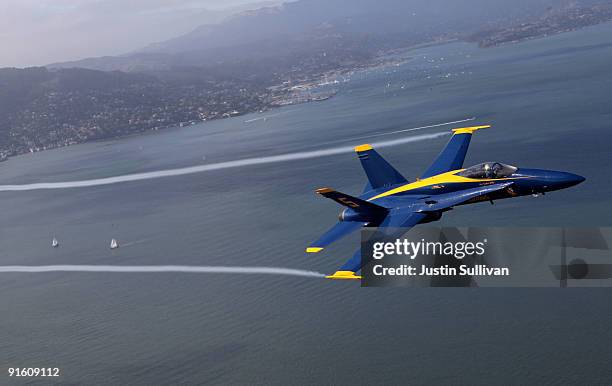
565	180
549	180
579	179
574	179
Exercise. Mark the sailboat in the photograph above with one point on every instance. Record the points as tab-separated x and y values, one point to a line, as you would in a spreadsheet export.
114	244
54	243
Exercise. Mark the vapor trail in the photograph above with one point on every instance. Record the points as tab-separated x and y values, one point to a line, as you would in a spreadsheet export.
404	130
158	268
215	166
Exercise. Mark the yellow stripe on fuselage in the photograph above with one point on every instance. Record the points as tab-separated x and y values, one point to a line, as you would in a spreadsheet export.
444	178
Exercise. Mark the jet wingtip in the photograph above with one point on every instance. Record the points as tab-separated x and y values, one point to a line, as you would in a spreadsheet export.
313	249
344	275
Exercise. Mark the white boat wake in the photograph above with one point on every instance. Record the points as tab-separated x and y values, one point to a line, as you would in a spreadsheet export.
129	244
224	165
159	269
261	118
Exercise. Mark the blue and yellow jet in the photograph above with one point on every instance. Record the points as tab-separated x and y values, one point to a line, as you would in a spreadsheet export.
389	201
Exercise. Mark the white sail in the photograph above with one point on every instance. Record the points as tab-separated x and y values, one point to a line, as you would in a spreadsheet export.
114	244
54	243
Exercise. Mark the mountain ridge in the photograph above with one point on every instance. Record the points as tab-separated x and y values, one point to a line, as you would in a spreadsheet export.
241	36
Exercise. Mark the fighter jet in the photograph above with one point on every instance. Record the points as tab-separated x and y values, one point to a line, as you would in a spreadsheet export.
389	201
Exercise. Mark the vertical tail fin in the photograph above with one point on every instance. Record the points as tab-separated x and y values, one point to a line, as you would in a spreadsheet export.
380	173
453	155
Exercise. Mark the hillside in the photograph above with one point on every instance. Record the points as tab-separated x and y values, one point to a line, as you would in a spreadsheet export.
250	62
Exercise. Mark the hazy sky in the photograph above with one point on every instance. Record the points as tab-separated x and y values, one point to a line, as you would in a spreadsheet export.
38	32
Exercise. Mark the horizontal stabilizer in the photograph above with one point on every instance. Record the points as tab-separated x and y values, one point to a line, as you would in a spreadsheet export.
356	204
335	233
380	173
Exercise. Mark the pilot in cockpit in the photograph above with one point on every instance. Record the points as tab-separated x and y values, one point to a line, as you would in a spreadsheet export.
488	170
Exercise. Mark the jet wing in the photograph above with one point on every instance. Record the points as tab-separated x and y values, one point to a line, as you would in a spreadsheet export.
393	226
451	158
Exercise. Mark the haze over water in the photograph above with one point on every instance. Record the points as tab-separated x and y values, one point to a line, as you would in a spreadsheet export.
549	103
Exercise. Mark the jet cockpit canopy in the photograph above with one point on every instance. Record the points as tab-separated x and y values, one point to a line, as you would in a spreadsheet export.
488	170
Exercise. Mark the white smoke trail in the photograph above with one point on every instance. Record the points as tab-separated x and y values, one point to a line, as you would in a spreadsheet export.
425	127
158	268
404	130
216	166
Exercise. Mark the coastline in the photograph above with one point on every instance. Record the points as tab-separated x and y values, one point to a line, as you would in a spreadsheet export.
312	89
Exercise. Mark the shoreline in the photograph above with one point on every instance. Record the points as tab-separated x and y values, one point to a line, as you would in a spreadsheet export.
288	97
313	83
